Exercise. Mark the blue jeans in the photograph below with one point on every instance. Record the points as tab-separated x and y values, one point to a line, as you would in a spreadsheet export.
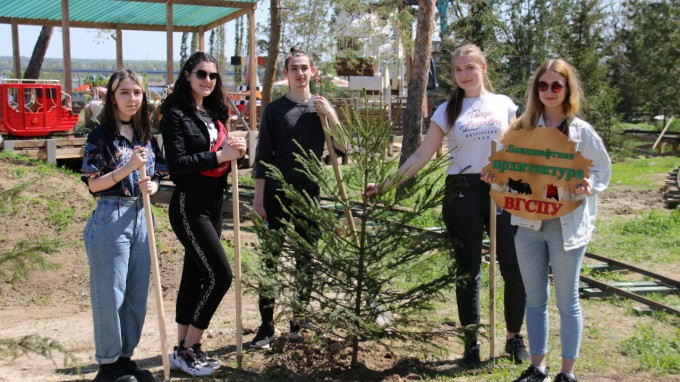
537	252
118	251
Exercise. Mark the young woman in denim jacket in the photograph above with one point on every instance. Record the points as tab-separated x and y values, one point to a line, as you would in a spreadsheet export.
553	101
194	116
115	235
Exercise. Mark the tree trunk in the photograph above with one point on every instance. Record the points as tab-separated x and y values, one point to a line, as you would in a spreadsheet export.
272	52
413	118
34	66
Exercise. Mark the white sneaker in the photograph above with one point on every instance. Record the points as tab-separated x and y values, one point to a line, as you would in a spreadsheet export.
265	335
188	364
173	359
203	359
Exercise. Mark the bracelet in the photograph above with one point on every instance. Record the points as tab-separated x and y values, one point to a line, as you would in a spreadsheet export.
112	177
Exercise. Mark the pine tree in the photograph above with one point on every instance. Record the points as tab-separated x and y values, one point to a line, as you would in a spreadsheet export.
387	273
645	66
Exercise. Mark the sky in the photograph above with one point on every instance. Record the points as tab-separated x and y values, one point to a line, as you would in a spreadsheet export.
137	45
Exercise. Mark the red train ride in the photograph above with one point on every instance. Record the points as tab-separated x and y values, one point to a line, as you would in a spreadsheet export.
35	108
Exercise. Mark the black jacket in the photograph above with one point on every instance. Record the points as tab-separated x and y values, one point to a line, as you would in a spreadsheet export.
187	147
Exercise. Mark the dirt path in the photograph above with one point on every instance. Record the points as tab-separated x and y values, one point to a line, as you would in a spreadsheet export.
54	302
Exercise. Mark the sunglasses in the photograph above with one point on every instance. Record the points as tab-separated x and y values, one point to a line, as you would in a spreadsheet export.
556	87
202	74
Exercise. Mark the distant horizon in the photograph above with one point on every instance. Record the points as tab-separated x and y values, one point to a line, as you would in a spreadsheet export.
27	58
89	43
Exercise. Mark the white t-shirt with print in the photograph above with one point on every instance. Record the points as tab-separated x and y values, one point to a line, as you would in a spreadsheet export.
481	120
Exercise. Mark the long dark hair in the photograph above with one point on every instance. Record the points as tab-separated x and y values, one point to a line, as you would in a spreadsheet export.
455	104
141	126
182	97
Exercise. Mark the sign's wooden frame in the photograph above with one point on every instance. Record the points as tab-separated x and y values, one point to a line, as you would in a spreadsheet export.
529	162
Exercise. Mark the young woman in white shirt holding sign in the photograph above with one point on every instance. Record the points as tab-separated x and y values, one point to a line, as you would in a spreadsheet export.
472	119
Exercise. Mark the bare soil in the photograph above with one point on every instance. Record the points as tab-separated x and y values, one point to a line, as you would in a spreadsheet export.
54	303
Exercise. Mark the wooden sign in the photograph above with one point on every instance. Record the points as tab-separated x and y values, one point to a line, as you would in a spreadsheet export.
532	161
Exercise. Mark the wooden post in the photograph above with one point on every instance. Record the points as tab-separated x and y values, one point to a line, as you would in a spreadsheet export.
492	273
237	262
119	47
16	56
66	42
253	69
338	176
51	151
8	146
168	29
252	147
201	38
155	272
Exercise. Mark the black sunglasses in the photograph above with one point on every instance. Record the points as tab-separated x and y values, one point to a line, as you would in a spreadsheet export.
202	74
556	87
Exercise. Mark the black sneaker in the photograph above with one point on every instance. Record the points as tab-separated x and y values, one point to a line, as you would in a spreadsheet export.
294	333
264	337
517	349
202	357
532	374
113	372
130	367
564	377
471	355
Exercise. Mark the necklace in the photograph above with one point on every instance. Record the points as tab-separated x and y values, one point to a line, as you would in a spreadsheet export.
126	122
479	104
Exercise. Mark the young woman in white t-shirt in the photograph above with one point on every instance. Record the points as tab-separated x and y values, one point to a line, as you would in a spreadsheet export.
472	119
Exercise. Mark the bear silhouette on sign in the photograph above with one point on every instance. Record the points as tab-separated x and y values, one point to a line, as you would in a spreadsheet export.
531	161
519	187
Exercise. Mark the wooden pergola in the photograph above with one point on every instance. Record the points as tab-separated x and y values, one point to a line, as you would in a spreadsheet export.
170	16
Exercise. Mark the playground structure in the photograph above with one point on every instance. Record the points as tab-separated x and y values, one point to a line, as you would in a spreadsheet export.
35	108
195	16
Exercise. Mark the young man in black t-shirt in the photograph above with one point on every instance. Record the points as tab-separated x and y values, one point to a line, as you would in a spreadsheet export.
288	121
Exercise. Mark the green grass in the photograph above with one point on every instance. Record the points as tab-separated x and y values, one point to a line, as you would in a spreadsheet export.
26	165
649	237
59	213
641	172
657	353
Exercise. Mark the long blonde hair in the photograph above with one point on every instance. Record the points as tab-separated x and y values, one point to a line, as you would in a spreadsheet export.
534	106
456	101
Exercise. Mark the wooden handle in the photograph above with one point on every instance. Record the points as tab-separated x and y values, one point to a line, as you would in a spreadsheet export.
338	176
492	271
237	262
155	272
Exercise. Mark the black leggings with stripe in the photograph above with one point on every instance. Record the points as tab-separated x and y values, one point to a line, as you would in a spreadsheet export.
196	218
466	215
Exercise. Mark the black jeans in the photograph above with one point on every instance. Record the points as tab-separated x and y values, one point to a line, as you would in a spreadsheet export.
196	218
303	275
466	215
